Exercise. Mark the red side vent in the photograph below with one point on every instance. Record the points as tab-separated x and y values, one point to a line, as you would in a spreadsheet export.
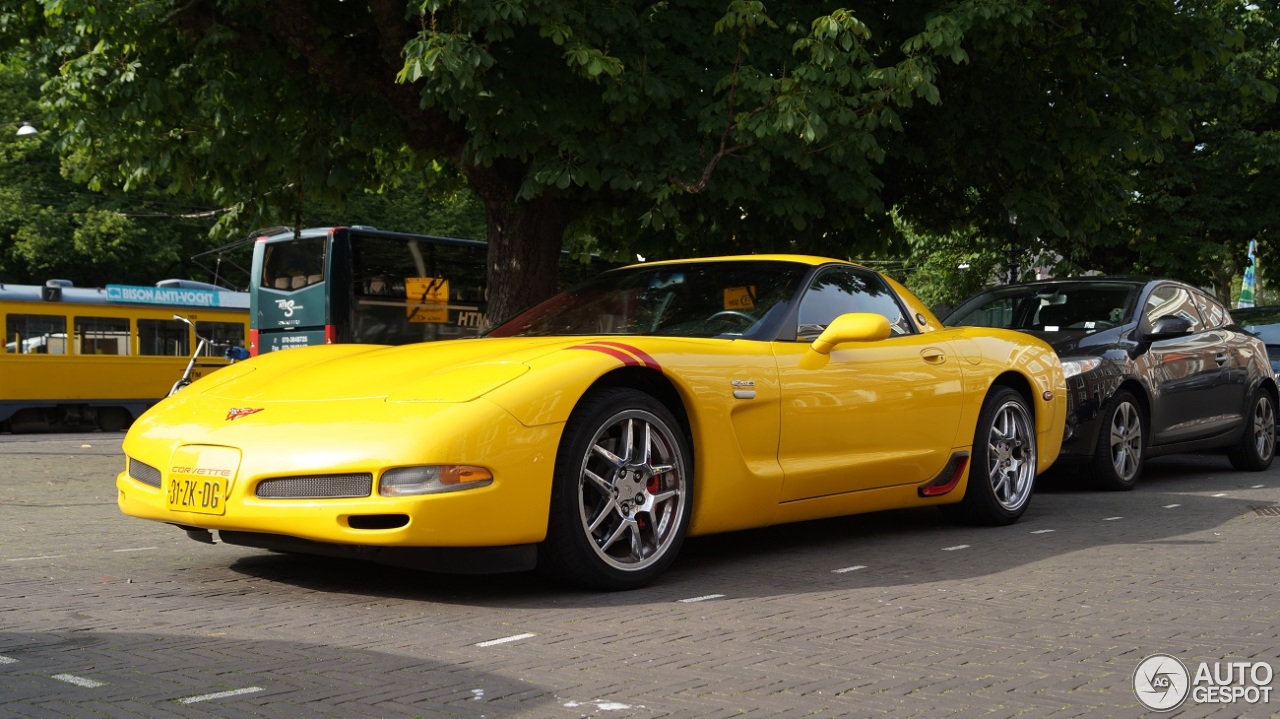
948	478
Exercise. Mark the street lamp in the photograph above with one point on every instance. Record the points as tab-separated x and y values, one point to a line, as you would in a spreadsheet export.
26	129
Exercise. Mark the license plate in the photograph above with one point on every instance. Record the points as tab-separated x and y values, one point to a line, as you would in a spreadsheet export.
206	495
199	478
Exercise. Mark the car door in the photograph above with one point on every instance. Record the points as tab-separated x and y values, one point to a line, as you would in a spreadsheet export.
869	414
1187	374
1237	348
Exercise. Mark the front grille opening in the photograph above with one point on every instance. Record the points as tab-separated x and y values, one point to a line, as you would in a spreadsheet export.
320	486
377	521
144	473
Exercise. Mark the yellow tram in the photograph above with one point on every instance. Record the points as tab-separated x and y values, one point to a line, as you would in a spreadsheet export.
77	358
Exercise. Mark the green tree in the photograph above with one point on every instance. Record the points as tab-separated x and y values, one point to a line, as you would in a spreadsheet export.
1215	187
675	127
51	226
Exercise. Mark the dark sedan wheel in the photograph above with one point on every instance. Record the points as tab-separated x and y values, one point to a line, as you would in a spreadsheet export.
620	501
1117	460
1002	470
1258	442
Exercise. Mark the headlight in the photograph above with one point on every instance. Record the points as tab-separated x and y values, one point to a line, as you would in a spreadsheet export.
1071	368
404	481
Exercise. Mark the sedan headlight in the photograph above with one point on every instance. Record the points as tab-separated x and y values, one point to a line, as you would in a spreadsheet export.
434	479
1073	367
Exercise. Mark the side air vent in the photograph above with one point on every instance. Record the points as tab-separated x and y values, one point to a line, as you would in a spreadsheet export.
321	486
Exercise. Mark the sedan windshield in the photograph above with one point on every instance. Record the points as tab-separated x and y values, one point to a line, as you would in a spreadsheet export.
1081	306
693	299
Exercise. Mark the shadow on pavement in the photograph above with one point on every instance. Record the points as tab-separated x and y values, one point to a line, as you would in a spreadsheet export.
903	547
150	675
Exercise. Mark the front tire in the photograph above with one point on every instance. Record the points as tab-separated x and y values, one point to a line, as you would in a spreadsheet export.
1002	469
1257	445
622	493
1122	443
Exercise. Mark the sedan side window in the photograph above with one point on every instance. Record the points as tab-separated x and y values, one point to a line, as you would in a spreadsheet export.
1174	300
841	290
1214	314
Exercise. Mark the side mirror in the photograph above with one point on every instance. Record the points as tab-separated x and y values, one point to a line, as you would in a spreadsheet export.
1169	326
853	327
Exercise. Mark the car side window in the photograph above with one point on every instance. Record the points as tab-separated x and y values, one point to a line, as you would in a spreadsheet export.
1215	316
840	290
1175	300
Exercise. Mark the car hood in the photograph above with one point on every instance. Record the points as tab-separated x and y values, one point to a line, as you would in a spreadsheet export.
1071	343
450	371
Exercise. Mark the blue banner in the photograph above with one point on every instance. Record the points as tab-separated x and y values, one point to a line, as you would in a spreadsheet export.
1249	285
163	295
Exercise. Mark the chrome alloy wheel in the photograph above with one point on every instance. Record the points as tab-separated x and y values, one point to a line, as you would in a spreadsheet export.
1126	440
1011	455
632	490
1264	422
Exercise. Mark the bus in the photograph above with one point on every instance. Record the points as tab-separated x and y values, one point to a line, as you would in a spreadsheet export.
80	358
359	284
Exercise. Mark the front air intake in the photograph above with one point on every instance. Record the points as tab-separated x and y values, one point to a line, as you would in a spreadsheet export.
144	473
320	486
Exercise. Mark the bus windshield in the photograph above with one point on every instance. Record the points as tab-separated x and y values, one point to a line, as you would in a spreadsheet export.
293	265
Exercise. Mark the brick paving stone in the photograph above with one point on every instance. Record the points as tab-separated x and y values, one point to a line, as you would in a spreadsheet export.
1016	625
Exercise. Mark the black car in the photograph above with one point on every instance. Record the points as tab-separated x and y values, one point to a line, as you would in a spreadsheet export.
1265	323
1153	367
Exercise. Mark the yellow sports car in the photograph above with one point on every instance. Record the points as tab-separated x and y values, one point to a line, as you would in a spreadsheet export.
591	434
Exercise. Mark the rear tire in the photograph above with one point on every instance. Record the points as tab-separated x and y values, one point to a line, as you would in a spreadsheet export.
1257	445
622	493
1122	443
1002	468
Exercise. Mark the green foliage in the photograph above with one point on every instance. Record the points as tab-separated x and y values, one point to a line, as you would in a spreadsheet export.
1214	188
681	127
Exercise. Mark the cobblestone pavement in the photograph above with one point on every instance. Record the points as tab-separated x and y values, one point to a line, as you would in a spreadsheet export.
894	614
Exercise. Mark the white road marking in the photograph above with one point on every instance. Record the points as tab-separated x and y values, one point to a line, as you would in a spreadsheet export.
854	568
602	705
79	681
219	695
1112	519
7	660
32	559
703	598
1219	494
504	640
952	549
1258	486
134	549
1171	506
1044	531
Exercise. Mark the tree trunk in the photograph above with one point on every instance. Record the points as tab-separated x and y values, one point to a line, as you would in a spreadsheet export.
525	241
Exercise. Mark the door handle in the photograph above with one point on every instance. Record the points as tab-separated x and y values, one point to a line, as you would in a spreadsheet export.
933	355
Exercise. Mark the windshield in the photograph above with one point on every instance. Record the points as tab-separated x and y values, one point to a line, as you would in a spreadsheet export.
1082	306
293	264
694	299
1264	322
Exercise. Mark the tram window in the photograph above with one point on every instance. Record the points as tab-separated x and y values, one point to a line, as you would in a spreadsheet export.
222	335
102	335
163	337
35	334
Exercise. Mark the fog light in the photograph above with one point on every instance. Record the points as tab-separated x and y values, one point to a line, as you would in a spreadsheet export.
404	481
